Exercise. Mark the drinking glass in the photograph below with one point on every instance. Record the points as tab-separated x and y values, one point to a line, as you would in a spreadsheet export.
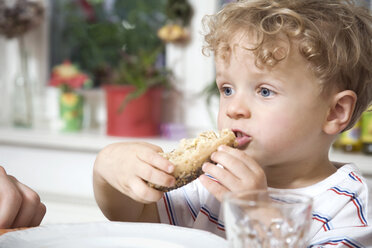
267	219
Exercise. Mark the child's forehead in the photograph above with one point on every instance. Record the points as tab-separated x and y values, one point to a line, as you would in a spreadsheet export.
239	46
244	38
242	56
245	44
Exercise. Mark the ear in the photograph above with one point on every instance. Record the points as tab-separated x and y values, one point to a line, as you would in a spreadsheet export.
340	111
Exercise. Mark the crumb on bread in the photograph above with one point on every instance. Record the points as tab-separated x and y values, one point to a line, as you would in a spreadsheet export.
190	155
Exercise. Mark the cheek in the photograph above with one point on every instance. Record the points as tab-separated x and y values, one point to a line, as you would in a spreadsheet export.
279	131
285	131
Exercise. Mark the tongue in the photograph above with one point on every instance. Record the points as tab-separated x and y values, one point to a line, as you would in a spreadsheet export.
243	140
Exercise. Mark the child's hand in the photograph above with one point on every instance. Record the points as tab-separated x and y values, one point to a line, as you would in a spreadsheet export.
20	206
240	172
128	167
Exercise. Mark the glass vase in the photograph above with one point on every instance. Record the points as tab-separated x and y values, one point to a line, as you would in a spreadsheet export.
22	95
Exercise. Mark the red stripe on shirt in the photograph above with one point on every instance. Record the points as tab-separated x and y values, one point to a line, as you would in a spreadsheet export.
166	207
191	213
324	226
360	218
314	218
356	205
352	173
342	242
212	220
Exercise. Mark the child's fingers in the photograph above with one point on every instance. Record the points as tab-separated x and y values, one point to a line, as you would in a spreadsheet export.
152	146
215	188
221	175
240	172
153	175
156	160
229	157
143	193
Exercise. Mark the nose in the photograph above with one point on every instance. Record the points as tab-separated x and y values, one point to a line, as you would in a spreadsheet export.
238	108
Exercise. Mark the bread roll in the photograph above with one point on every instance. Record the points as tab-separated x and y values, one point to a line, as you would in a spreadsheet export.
190	155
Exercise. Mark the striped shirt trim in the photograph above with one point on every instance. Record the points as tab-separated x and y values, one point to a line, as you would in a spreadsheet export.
189	205
212	217
323	219
355	200
355	177
169	210
335	241
212	178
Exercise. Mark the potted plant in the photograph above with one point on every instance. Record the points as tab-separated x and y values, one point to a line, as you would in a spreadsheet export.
134	95
117	43
134	99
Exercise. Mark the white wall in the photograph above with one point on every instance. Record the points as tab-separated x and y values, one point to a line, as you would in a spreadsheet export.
193	71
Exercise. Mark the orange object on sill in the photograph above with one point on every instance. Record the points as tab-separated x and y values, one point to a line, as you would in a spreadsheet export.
141	117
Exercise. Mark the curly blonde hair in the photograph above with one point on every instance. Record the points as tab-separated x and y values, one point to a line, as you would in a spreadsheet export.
334	36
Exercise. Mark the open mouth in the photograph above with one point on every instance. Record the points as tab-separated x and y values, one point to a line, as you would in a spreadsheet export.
242	138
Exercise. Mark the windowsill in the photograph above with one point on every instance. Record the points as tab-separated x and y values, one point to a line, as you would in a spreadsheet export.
80	142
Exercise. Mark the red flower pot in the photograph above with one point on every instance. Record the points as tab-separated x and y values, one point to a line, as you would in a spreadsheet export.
141	117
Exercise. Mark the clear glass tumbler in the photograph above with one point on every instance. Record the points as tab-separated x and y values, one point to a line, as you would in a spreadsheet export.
267	219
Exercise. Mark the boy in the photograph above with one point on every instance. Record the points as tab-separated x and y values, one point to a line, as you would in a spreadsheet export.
292	75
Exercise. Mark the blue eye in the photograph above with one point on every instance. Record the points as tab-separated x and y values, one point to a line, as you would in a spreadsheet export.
227	91
265	92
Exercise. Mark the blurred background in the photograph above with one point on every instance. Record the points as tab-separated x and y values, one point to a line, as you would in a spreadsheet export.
77	75
139	43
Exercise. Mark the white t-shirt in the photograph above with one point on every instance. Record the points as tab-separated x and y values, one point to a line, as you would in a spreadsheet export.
339	210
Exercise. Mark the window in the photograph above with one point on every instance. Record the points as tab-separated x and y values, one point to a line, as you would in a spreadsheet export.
95	34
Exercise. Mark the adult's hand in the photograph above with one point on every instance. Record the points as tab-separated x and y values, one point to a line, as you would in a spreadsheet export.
20	206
